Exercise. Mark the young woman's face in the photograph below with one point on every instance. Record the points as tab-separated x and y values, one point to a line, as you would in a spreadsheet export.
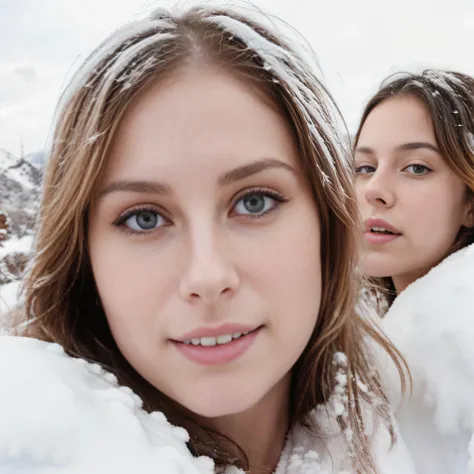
204	230
412	204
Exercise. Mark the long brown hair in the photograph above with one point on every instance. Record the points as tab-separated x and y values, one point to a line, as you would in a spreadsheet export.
61	303
449	98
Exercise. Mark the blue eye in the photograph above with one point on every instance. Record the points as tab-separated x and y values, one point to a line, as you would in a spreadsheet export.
141	220
365	169
257	203
418	170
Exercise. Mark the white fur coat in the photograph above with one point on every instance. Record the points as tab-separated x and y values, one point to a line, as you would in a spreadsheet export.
432	323
60	415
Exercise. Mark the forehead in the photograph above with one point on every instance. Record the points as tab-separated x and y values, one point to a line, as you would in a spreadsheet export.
198	119
398	120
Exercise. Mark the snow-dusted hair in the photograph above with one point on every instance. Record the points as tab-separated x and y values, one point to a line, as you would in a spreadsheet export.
61	300
449	99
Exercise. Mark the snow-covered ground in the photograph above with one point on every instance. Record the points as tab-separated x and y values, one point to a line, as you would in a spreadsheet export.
8	296
9	291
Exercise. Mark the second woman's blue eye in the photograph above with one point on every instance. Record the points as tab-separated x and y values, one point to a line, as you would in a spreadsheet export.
365	169
418	169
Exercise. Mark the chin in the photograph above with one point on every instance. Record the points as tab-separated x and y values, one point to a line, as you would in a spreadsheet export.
377	267
218	403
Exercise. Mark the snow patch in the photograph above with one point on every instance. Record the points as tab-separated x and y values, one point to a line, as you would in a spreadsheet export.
15	245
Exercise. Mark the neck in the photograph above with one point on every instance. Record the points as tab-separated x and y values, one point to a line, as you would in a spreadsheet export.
261	430
400	282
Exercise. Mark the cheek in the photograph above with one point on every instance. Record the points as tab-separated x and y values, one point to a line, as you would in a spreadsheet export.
359	190
128	282
291	270
437	215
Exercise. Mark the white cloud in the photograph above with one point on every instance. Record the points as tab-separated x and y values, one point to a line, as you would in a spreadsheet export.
358	43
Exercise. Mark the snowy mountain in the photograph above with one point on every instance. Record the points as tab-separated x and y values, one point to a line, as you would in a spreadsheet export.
20	170
6	159
19	188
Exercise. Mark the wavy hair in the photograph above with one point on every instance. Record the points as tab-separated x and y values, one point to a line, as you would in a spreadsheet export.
61	303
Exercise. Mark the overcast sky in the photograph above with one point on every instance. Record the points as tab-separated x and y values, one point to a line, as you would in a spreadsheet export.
358	43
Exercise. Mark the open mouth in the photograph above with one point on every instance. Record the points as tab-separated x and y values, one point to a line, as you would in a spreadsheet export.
382	230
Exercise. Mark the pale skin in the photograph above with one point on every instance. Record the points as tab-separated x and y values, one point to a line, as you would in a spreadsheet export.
403	179
186	159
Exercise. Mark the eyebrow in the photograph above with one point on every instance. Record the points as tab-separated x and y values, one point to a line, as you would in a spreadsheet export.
144	187
153	187
404	147
417	146
250	169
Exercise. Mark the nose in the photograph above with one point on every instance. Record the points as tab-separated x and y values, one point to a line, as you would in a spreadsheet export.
209	273
379	189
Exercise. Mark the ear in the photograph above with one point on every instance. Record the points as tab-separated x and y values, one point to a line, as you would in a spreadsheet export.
468	220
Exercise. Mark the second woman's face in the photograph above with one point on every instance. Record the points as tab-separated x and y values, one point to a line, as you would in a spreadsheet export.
412	203
205	243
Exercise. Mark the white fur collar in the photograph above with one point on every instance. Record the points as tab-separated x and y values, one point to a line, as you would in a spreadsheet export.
66	416
432	323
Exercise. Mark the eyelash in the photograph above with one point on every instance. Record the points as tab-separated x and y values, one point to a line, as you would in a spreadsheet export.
120	221
428	170
262	192
359	168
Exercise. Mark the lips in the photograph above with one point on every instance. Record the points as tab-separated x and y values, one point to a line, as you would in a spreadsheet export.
217	346
380	226
379	232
